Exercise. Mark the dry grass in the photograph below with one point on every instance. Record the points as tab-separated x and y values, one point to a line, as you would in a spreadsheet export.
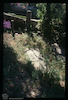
18	71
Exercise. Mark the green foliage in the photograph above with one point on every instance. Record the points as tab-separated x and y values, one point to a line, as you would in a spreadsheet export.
41	10
58	11
55	64
18	72
36	74
53	21
52	75
45	16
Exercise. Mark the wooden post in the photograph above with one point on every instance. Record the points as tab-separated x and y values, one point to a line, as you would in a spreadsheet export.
28	17
12	24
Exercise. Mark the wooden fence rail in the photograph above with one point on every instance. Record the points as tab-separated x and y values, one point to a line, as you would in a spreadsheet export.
24	22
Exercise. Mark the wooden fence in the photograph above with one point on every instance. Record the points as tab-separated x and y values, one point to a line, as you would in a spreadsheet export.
23	22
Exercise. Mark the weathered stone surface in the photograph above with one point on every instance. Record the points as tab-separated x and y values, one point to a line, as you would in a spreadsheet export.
36	58
59	50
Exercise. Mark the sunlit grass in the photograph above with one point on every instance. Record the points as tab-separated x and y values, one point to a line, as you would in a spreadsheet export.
24	41
55	67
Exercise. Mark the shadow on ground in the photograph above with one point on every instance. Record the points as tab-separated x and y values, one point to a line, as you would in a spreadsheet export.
23	81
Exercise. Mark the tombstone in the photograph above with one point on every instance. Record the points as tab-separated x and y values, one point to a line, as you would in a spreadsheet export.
28	17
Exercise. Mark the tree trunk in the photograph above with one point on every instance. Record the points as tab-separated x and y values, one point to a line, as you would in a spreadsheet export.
48	11
47	22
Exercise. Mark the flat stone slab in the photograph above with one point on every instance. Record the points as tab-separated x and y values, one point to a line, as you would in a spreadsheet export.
36	58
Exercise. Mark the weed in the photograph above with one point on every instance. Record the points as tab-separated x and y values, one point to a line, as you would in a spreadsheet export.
14	59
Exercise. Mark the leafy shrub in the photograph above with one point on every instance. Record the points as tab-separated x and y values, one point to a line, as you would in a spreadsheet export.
41	10
52	75
37	75
53	30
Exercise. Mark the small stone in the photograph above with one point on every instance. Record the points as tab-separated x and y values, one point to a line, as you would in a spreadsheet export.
16	33
32	93
62	83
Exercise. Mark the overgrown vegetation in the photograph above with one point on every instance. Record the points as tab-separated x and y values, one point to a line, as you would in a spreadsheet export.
54	73
53	21
21	79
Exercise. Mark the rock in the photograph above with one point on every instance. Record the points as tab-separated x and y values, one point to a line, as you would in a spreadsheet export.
58	49
36	58
62	83
34	92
